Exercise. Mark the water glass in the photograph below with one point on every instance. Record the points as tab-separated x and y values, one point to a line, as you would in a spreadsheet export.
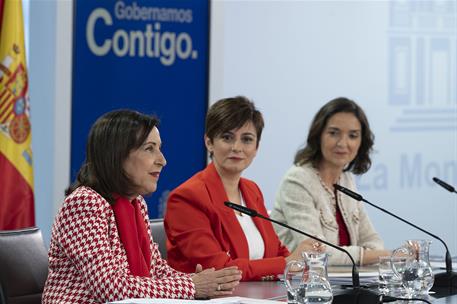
389	283
294	283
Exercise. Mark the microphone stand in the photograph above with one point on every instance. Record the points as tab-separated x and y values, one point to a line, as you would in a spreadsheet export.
446	279
352	296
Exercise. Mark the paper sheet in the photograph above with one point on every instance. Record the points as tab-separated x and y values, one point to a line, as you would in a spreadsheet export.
342	275
349	274
228	300
441	265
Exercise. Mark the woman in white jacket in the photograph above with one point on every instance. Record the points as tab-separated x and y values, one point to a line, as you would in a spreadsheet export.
339	142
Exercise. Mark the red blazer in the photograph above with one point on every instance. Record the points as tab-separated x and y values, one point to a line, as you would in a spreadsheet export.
202	230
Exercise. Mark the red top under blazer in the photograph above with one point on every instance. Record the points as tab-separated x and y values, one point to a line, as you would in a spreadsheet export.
202	230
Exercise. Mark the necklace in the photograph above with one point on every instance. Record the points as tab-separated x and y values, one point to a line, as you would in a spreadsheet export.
331	194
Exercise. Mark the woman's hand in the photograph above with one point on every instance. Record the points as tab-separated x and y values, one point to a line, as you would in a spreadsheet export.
306	245
371	256
209	282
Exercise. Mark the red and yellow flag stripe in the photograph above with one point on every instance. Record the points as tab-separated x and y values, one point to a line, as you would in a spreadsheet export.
16	163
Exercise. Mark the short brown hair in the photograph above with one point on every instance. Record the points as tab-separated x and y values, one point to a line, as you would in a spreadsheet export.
312	153
232	113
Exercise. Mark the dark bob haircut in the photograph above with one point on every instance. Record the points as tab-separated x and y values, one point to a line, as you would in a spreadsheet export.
111	139
232	113
312	153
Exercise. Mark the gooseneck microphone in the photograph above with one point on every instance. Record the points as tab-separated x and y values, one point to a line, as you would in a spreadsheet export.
444	185
253	213
445	279
351	296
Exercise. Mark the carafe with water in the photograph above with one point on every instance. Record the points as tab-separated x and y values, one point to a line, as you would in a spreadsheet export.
313	285
417	275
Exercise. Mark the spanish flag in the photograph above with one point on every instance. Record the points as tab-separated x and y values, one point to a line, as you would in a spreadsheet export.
16	166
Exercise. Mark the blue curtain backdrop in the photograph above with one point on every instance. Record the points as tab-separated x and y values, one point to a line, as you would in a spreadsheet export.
150	56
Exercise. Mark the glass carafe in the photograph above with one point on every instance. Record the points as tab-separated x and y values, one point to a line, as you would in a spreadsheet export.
416	274
313	285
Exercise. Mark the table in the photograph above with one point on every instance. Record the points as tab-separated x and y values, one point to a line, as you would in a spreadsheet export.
275	290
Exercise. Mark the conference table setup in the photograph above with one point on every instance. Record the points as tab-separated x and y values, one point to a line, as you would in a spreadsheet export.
419	277
270	292
351	284
277	291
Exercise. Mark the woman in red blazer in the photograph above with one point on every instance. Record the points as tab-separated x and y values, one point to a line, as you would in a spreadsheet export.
201	229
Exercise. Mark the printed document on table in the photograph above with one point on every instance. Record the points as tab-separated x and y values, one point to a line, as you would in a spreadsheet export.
228	300
441	265
342	275
345	278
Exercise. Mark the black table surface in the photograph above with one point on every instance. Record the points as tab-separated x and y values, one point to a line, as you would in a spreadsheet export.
275	290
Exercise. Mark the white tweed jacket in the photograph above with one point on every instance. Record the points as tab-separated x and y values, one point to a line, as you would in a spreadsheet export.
88	263
303	202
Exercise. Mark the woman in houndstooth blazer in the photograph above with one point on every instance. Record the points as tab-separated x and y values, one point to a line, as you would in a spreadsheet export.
101	248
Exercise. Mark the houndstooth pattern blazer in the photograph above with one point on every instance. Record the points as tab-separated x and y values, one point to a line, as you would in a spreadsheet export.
88	263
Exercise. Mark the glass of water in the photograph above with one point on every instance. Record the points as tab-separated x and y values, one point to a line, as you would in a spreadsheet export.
389	283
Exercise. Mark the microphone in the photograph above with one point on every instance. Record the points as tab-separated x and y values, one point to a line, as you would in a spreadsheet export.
445	279
355	295
444	185
253	213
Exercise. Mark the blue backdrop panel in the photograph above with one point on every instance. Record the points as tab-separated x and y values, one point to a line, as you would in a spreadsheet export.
151	56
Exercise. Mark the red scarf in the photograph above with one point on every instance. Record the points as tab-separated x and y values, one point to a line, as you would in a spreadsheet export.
133	234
